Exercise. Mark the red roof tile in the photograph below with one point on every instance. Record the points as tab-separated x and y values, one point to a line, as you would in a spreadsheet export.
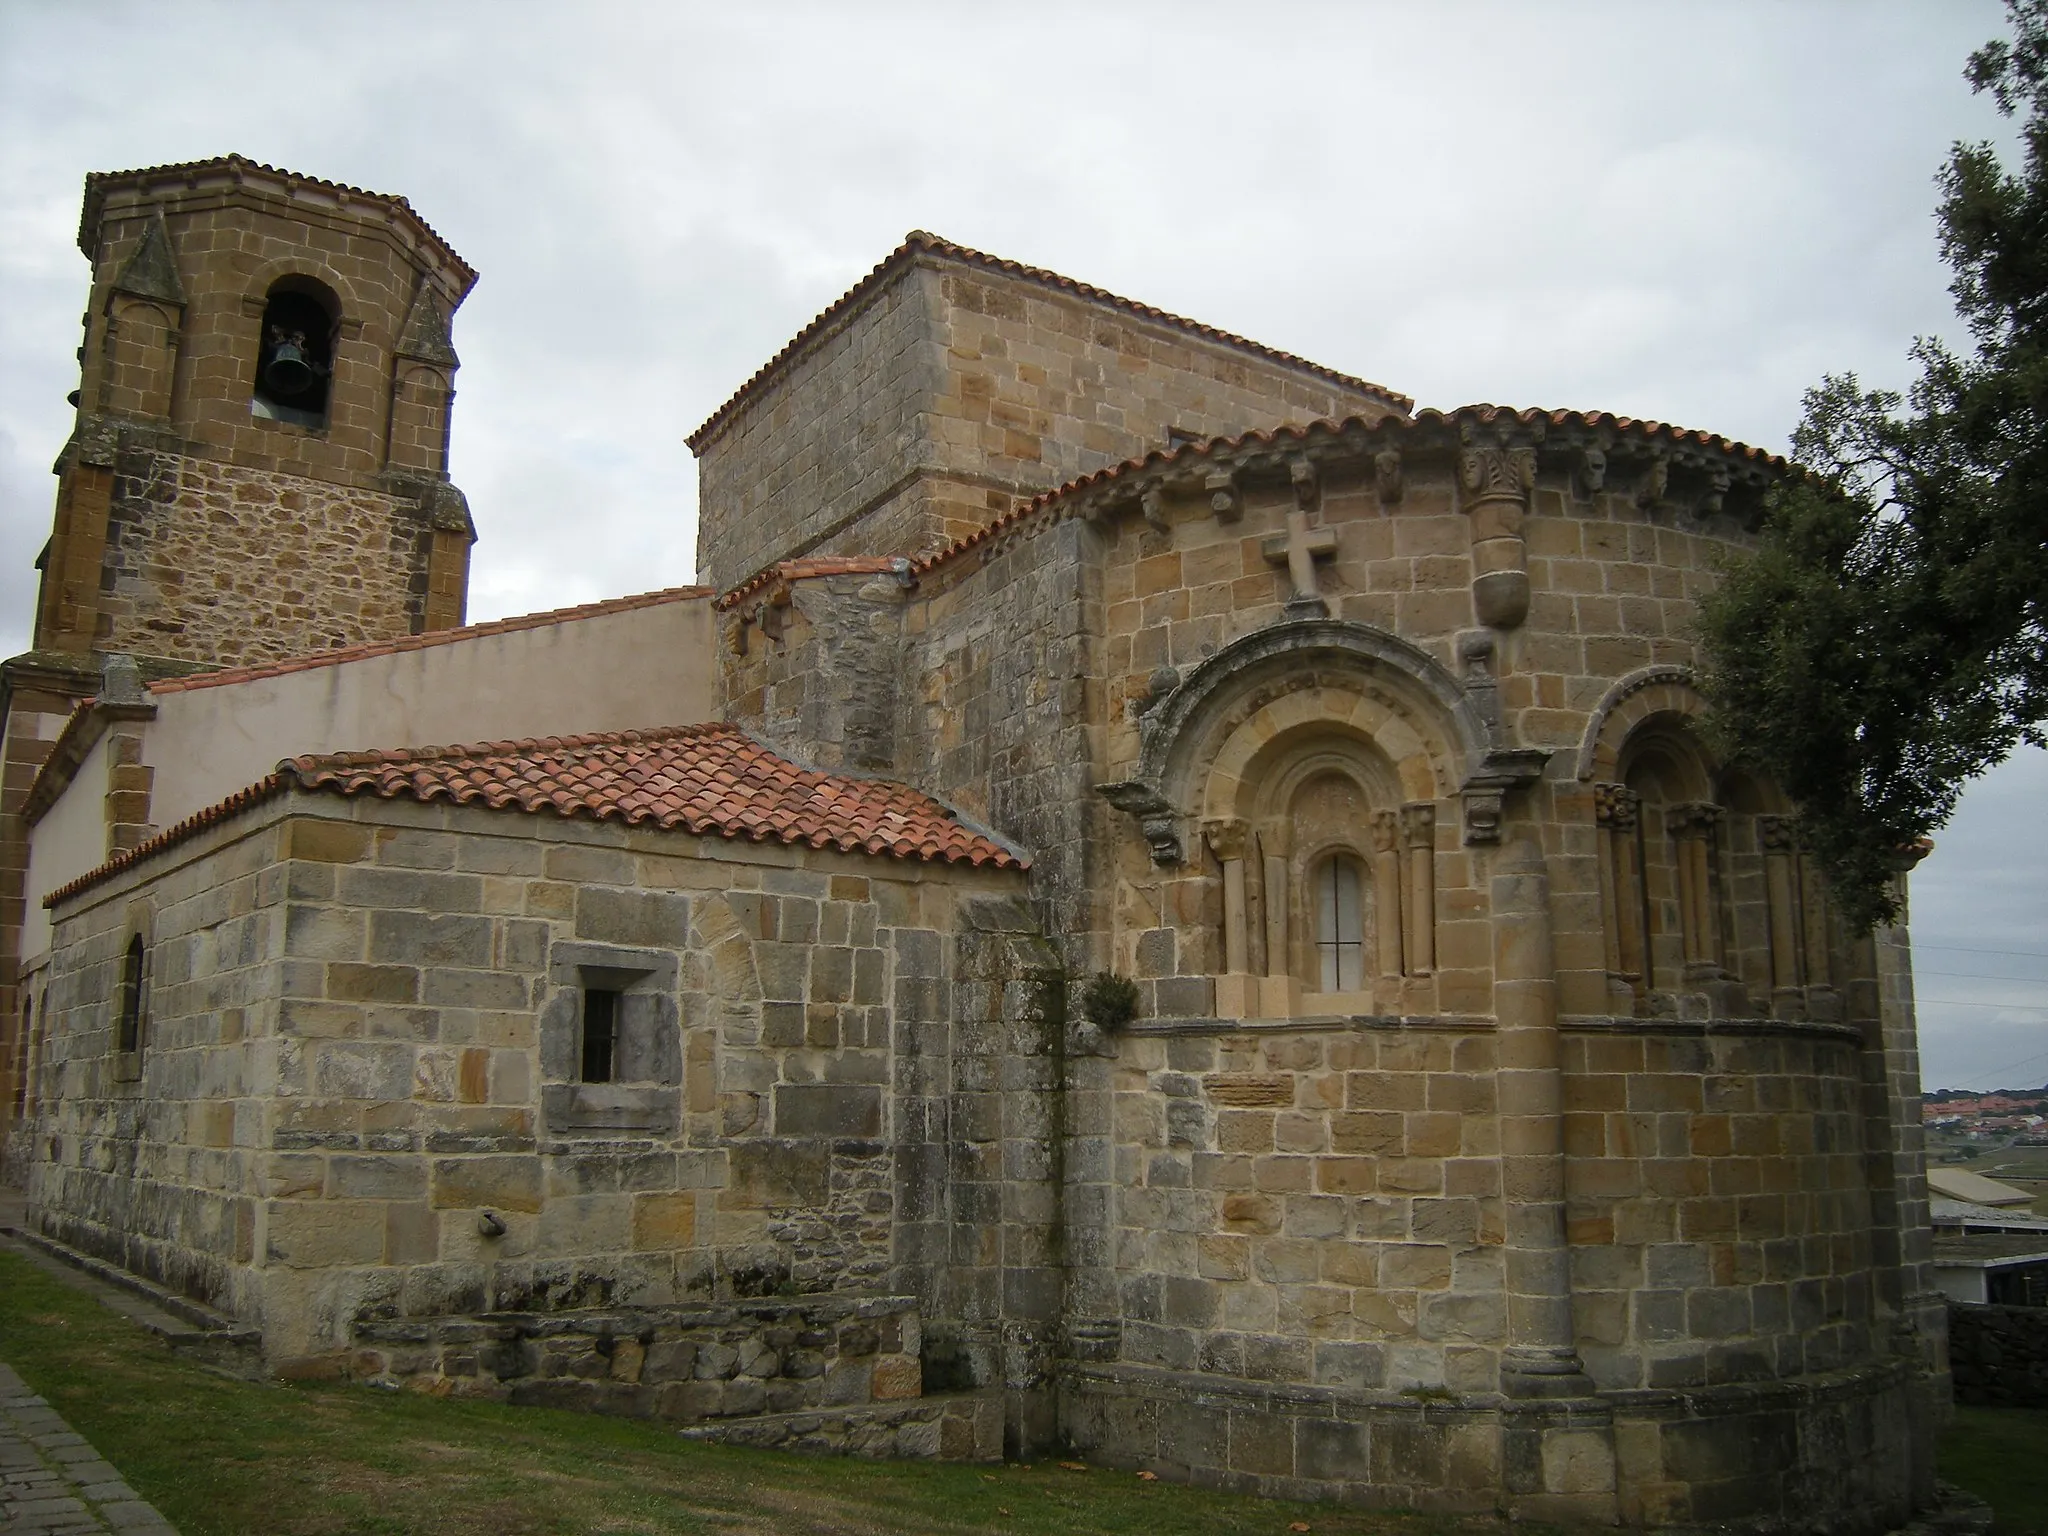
432	637
99	183
918	243
700	779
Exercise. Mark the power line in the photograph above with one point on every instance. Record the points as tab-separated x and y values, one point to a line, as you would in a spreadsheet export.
1963	949
1979	976
1957	1002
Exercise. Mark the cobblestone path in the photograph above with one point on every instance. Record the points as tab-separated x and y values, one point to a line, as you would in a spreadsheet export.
52	1482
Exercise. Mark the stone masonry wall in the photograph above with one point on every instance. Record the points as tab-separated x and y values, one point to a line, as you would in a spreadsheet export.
837	433
411	1017
1999	1355
956	391
693	1361
158	1162
210	562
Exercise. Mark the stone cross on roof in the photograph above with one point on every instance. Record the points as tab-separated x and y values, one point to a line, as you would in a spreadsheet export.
1299	550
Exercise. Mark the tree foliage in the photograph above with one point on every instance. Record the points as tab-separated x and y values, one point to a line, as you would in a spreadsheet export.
1888	641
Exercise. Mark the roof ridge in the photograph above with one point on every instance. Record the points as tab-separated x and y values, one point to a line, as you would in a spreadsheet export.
473	751
713	779
363	650
96	183
919	242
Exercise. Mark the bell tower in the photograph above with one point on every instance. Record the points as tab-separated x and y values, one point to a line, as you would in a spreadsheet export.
259	464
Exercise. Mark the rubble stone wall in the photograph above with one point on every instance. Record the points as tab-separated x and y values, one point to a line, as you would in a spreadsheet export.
231	566
1999	1355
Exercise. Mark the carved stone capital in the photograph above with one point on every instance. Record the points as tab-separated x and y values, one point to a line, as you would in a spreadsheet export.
1418	825
1616	806
1487	472
1227	839
1778	834
1693	818
1386	831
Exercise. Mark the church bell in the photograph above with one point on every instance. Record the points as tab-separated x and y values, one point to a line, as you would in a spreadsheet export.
289	373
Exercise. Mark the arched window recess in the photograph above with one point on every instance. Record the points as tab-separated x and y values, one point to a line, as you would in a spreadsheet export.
295	353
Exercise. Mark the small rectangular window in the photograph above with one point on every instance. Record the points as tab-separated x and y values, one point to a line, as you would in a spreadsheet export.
600	1033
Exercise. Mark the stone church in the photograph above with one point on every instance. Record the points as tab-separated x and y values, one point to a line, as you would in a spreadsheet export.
1159	900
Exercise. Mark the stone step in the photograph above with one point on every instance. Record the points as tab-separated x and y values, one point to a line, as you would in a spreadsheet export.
178	1320
946	1426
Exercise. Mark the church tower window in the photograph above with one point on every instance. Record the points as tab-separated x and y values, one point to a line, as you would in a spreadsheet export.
128	1036
1340	924
600	1033
295	357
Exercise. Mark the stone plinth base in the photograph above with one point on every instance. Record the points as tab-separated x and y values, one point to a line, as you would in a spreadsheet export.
1829	1452
952	1426
686	1362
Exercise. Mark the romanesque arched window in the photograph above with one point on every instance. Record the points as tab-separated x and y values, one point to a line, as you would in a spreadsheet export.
295	352
1338	891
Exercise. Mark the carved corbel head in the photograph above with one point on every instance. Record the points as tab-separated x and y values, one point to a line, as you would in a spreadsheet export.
1386	471
1655	482
1152	505
1716	496
1589	475
1483	807
1224	498
1308	490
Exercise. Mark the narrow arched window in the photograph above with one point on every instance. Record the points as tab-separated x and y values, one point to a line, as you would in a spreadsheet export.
1340	924
130	1029
295	357
22	1047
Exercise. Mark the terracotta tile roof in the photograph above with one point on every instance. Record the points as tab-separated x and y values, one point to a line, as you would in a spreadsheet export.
700	779
99	183
1391	427
814	565
918	243
263	789
432	637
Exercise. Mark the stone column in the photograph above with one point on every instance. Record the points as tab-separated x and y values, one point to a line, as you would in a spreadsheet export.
1617	808
1560	1450
1386	889
1497	481
1228	840
1692	827
1823	1001
1237	989
1274	846
1775	835
1418	929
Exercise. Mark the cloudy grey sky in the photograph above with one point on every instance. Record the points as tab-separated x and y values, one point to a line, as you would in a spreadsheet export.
1670	210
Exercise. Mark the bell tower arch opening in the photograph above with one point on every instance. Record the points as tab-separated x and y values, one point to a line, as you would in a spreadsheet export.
295	353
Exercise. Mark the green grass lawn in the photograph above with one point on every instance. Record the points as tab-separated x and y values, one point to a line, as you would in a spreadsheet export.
230	1457
2001	1455
222	1457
